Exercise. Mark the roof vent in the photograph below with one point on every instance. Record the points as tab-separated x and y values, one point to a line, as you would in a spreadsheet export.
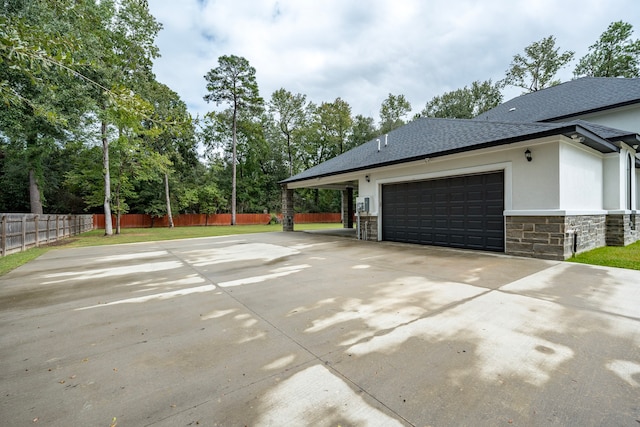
512	109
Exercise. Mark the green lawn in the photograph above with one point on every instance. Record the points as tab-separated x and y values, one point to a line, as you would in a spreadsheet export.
612	256
135	235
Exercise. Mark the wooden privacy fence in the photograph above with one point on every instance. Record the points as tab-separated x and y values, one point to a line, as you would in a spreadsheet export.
187	220
19	232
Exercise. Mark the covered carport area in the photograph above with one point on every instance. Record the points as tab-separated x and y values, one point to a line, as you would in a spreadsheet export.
347	189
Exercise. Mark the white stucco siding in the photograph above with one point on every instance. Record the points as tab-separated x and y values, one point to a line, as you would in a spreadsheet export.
613	198
528	185
581	174
625	118
536	183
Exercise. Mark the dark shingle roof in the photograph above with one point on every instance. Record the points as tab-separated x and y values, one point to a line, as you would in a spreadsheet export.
569	99
429	137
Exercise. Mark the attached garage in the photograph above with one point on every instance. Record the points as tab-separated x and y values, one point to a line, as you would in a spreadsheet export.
542	175
460	212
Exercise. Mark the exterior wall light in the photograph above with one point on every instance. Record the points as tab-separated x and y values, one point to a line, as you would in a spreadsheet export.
527	154
367	178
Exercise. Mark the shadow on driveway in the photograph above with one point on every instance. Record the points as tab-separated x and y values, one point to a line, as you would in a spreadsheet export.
310	329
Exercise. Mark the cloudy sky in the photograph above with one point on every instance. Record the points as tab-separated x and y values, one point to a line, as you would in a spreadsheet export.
361	51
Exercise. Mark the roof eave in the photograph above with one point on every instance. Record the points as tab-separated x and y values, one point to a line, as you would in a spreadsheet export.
592	140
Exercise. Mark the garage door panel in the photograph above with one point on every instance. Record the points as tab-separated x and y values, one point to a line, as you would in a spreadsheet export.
494	211
457	196
494	226
457	210
465	212
476	225
475	210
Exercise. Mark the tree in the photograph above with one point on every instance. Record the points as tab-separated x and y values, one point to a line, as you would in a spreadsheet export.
334	126
615	54
538	68
233	82
363	130
392	112
38	42
169	132
127	61
465	103
288	112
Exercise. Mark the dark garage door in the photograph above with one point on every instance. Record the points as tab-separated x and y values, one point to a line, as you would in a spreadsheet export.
461	212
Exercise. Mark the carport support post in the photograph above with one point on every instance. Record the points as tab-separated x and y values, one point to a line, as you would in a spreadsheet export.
287	209
347	208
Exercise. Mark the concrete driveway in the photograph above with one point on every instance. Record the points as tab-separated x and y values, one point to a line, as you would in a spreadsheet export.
292	329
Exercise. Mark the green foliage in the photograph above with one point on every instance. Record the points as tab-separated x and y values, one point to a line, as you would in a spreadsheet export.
288	112
260	164
85	176
14	196
334	126
317	200
207	199
392	112
615	54
234	82
36	45
363	130
465	103
538	67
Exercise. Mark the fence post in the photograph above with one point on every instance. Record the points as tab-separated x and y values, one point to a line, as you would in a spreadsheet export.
3	232
36	227
24	232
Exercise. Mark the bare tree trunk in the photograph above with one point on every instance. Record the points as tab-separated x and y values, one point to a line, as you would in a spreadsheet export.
233	181
118	209
290	155
166	192
34	193
108	224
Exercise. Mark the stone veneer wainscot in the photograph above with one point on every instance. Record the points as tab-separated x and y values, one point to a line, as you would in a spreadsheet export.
554	237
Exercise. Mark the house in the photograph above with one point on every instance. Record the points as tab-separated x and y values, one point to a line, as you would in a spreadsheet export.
547	175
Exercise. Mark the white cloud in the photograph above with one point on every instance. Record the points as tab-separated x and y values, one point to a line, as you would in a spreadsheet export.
362	51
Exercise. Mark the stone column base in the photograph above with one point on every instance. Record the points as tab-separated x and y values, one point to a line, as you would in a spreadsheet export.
368	227
287	209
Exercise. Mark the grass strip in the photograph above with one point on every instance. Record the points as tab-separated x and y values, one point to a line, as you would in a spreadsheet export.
612	256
